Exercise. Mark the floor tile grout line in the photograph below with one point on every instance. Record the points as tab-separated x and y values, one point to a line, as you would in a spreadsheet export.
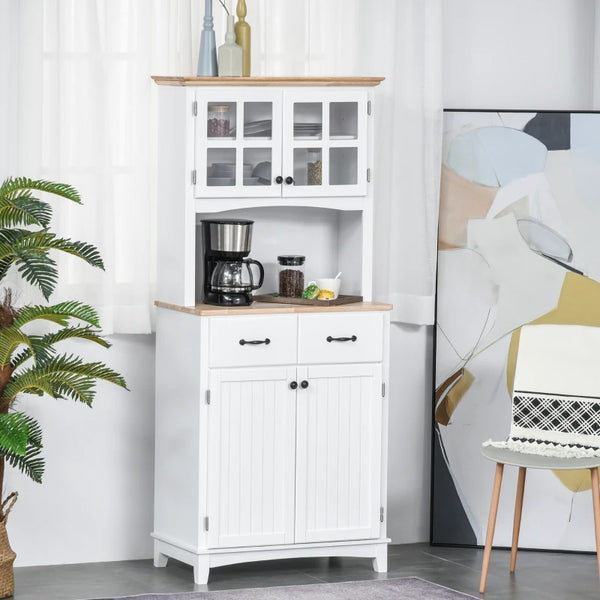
450	561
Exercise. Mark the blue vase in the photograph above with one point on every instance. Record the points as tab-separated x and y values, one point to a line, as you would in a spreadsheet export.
207	58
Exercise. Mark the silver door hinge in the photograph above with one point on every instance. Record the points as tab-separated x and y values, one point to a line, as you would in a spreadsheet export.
207	397
368	107
381	514
194	177
369	175
205	523
195	108
383	390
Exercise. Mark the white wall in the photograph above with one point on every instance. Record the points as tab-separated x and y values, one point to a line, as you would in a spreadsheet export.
96	500
536	54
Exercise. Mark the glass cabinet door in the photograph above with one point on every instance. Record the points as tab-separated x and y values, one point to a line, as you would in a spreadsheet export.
324	143
238	143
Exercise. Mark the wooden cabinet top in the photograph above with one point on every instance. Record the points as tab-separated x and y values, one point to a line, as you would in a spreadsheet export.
265	308
268	81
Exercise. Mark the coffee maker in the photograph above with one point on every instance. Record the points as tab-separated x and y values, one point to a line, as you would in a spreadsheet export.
228	277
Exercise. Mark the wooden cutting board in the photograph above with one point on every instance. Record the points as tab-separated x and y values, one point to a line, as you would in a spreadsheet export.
341	299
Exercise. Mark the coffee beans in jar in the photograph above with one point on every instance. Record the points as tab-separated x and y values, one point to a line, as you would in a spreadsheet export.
291	275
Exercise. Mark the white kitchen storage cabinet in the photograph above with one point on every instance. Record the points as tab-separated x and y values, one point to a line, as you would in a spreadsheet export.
272	450
266	138
293	144
275	448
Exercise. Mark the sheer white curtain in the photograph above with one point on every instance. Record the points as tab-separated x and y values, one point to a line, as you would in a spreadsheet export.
81	109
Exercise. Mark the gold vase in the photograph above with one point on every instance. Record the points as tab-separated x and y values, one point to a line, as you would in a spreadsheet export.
242	36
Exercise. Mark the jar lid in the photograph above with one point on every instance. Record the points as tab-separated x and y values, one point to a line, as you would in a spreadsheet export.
291	260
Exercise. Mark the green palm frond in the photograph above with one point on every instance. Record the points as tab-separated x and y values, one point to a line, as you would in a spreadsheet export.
13	185
42	346
14	433
39	270
82	333
5	264
29	462
15	240
29	250
63	376
29	381
21	357
12	338
59	313
24	210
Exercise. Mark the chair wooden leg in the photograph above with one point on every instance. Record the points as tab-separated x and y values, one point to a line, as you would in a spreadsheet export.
596	500
491	526
517	521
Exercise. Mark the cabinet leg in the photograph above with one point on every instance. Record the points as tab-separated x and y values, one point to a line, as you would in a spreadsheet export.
380	560
201	569
160	560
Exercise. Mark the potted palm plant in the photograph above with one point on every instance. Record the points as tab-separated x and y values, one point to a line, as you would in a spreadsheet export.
30	358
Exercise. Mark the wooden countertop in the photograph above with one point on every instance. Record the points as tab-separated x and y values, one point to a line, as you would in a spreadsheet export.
266	308
268	81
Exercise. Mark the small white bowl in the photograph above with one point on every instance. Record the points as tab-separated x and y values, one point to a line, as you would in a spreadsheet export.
331	284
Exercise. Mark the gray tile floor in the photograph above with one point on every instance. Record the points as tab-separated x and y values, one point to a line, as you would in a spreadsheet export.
539	576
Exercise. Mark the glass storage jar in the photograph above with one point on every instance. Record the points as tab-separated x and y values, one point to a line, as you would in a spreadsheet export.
219	124
314	167
291	275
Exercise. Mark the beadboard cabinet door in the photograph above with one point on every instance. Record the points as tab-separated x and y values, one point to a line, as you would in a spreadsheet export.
338	452
251	457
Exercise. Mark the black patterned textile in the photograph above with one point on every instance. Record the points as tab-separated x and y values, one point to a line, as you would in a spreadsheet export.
564	414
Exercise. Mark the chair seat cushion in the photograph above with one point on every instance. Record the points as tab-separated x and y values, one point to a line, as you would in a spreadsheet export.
531	460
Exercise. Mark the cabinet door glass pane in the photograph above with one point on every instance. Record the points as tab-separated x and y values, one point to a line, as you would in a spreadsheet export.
220	166
220	121
343	166
343	120
308	166
257	166
308	120
258	120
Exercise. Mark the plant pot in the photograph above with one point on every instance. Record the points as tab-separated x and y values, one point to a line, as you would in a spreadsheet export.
7	555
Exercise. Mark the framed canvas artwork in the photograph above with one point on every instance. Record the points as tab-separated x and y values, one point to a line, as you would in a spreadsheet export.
518	243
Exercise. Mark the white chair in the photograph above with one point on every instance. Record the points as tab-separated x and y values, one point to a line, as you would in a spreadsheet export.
555	417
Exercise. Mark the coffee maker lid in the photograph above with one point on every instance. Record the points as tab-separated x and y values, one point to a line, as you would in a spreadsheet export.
228	221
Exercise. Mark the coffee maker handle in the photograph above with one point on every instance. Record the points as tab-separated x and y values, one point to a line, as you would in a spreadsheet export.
251	261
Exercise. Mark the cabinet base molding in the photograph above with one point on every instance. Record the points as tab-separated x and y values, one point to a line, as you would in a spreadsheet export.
205	559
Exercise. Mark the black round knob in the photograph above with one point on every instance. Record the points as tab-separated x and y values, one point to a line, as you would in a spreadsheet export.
293	385
304	384
289	180
279	179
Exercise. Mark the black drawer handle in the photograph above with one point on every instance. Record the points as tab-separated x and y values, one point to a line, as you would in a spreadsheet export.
289	180
342	339
293	385
304	384
266	341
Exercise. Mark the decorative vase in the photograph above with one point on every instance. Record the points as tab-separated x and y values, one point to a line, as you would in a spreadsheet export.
207	58
242	36
230	54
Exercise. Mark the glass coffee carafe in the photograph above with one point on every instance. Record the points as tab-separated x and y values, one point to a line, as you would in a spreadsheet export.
235	276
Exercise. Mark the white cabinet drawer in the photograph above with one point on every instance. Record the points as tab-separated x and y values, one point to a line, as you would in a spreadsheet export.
340	337
250	341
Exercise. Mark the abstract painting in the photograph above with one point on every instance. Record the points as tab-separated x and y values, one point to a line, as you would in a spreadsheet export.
518	243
